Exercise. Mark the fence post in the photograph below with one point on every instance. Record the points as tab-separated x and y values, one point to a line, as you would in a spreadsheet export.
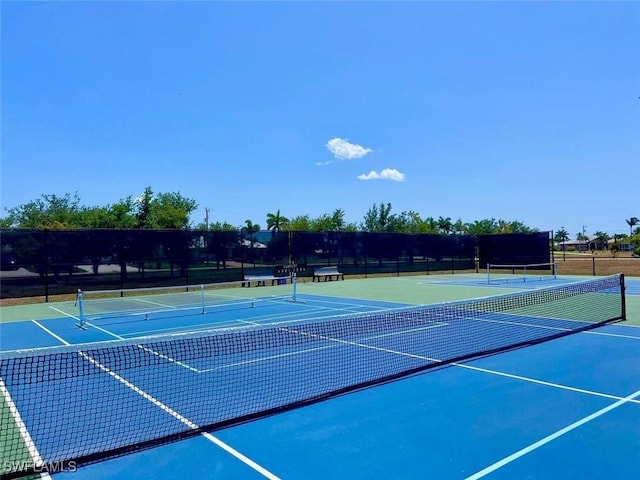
593	265
46	265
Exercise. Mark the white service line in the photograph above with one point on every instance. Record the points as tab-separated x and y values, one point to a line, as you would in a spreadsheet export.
542	382
514	456
167	409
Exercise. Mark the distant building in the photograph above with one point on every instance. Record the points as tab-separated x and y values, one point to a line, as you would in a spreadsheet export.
592	243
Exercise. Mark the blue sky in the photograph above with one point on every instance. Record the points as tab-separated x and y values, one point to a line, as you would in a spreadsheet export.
524	111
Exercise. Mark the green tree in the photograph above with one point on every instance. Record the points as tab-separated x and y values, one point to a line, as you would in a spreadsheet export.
276	222
410	222
49	211
482	227
118	215
171	210
519	227
632	222
431	225
144	209
337	219
459	227
323	223
301	223
216	226
378	218
582	238
561	236
444	225
251	227
165	210
602	238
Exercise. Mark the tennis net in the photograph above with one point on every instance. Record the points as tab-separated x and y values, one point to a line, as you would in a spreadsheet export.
497	273
73	405
163	302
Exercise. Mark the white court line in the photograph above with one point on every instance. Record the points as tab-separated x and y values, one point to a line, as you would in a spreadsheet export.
521	452
57	337
455	364
524	324
309	350
411	330
264	359
261	320
170	411
104	330
146	349
605	334
64	313
541	382
142	300
514	456
38	463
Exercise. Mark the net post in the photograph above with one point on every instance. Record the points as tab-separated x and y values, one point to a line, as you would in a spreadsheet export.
623	309
202	297
294	282
80	302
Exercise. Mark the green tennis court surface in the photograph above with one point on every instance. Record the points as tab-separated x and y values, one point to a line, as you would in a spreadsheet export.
472	419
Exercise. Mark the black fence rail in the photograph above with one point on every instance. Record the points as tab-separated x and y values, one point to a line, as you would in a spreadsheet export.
53	262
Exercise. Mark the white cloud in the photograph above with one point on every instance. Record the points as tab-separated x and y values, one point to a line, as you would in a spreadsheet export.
342	149
386	174
322	164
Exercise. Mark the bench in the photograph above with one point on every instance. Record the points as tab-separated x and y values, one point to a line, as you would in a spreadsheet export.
261	278
327	272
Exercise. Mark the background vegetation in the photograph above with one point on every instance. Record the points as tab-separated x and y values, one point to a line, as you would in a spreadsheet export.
173	211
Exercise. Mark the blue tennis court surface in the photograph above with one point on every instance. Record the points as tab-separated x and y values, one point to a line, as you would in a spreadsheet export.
568	408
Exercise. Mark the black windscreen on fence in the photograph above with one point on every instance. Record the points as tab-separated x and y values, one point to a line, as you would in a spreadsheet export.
52	262
514	249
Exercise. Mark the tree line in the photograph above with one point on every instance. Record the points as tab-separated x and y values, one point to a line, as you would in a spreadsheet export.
172	210
602	238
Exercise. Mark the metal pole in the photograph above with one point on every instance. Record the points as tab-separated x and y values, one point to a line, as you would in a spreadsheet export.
623	310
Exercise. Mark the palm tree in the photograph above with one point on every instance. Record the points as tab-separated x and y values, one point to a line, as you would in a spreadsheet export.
603	239
562	236
632	222
444	224
275	222
581	237
251	228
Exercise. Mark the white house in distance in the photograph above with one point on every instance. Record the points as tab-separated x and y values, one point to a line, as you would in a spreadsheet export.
591	244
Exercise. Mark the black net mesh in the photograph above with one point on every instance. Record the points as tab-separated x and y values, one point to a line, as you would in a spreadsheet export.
90	402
